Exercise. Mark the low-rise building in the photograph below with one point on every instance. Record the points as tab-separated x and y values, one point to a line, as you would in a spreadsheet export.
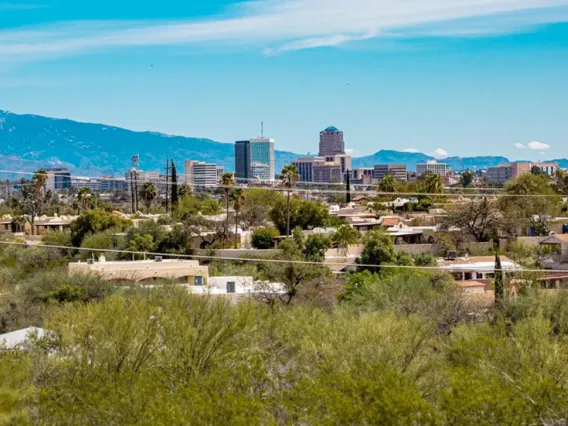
185	271
478	268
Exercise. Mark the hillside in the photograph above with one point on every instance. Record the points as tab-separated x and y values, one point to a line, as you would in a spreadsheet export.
29	141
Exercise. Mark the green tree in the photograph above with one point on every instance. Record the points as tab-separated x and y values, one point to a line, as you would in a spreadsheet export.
184	190
432	183
257	207
537	171
263	238
378	249
389	184
85	197
175	187
148	193
33	202
303	213
466	179
475	218
499	284
140	243
94	221
238	199
227	181
39	179
315	247
532	203
289	177
344	237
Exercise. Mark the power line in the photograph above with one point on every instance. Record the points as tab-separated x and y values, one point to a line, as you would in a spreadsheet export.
316	191
280	261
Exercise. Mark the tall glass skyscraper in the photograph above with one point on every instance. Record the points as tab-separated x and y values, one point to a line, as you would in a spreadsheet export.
258	152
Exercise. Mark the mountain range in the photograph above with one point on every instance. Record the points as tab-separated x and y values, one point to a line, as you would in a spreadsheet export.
29	142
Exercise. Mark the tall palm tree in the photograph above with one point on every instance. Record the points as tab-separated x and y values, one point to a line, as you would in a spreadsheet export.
227	180
289	177
39	180
433	184
389	184
84	197
238	197
148	193
345	236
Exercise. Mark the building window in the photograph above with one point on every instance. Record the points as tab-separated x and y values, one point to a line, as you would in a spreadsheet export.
198	280
231	287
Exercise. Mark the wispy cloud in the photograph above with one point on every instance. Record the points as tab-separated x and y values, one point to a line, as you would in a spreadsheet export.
534	145
411	150
276	26
439	152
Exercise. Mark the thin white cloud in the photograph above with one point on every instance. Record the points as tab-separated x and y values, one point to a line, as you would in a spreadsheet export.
411	150
281	25
439	152
538	146
534	145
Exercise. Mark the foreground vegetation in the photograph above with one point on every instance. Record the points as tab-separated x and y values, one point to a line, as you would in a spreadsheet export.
396	347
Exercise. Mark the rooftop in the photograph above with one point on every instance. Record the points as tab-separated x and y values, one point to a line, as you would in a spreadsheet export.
331	129
477	263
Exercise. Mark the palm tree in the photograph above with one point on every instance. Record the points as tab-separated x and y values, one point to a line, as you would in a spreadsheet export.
84	197
345	236
148	193
227	180
433	183
39	179
289	177
388	184
238	197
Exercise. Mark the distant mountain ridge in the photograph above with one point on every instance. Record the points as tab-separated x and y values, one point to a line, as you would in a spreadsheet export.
28	142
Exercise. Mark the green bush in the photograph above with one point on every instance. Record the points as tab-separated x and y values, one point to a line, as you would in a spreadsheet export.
263	238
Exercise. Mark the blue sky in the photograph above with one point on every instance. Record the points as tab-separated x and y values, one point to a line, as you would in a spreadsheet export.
463	77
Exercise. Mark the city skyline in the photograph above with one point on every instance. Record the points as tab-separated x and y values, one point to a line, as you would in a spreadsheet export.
466	79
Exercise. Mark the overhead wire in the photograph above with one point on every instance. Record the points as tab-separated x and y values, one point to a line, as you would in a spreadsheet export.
265	260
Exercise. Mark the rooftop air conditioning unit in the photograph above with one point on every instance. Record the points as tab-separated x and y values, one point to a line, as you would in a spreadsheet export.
452	255
158	258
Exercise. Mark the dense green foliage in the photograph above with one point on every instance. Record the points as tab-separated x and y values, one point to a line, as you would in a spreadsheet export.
263	238
303	213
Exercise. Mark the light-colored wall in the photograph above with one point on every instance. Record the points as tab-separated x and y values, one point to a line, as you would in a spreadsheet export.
142	270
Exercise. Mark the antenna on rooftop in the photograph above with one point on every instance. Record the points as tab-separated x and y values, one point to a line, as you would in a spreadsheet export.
262	129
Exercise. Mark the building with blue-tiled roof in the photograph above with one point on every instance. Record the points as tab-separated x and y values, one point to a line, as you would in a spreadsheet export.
331	142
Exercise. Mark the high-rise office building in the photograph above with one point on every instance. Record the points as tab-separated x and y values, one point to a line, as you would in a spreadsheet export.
242	159
398	171
331	142
305	167
199	173
258	151
432	166
262	152
57	179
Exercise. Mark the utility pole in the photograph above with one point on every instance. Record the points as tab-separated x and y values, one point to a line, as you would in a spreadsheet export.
134	185
168	186
348	186
133	205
